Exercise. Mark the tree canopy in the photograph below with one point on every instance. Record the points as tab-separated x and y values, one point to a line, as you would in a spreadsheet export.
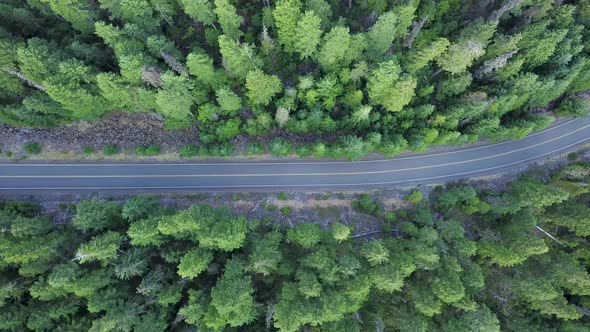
464	260
299	68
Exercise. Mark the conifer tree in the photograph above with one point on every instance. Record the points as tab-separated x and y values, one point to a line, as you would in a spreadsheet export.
228	19
308	34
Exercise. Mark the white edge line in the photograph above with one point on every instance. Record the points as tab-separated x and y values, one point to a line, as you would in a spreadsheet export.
132	176
111	163
305	185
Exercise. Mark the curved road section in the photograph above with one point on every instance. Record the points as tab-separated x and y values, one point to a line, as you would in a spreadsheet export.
294	175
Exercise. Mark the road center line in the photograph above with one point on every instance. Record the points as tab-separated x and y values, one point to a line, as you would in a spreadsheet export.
310	185
250	163
295	174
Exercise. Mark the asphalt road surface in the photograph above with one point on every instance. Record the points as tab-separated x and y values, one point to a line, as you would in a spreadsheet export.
293	175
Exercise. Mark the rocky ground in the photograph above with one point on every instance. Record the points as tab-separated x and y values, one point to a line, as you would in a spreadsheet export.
124	130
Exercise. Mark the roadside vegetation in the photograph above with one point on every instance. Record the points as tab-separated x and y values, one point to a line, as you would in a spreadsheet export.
320	78
462	259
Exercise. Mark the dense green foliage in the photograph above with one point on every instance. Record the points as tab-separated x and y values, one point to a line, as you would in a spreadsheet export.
385	75
465	261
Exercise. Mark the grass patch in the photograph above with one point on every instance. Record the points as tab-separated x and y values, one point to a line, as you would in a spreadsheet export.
280	147
368	205
188	151
287	210
572	156
255	149
109	150
414	197
33	148
282	196
150	150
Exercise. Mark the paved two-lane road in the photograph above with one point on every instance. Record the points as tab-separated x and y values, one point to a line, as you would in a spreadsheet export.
293	175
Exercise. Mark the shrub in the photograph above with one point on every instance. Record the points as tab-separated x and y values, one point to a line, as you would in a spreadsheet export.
221	150
88	150
280	147
188	151
286	210
304	151
21	208
386	227
110	150
319	150
572	156
366	204
390	216
340	232
282	196
414	197
150	150
33	148
140	207
255	148
353	148
576	107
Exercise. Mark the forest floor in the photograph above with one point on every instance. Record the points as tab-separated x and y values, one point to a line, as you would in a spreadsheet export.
126	131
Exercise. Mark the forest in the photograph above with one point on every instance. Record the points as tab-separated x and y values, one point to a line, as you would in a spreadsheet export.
337	78
463	259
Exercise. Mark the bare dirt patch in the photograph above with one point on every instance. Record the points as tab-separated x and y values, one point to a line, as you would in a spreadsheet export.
123	130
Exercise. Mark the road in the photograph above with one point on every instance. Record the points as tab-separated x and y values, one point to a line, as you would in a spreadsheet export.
293	175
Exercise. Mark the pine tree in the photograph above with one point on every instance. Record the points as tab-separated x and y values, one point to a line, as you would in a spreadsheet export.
228	100
308	34
194	262
287	17
145	233
73	87
261	88
339	48
265	255
200	10
201	66
388	88
232	301
419	58
228	19
238	59
175	100
101	248
96	215
382	33
76	12
375	253
306	234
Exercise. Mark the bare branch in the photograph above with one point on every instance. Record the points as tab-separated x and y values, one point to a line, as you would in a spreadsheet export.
508	6
493	64
416	27
173	63
365	234
152	76
23	77
549	235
